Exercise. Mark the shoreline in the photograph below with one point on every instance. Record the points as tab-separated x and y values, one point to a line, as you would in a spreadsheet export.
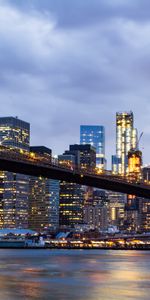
79	248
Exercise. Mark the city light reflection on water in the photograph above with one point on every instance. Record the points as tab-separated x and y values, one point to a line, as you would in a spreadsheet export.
74	274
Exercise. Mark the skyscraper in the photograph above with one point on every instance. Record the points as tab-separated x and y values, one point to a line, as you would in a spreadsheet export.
144	214
96	213
86	154
95	136
14	188
96	216
134	171
116	205
71	196
44	198
127	162
126	139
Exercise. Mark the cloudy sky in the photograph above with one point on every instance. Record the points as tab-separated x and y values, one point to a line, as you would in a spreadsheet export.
69	62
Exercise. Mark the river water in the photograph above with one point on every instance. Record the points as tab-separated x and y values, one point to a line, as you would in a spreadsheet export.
74	274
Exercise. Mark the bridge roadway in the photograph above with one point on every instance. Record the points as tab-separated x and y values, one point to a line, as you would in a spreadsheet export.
38	168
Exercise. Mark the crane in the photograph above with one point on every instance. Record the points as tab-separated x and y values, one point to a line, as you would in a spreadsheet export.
138	141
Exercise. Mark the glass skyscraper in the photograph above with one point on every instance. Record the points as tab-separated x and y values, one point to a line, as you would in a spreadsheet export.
126	139
44	198
122	164
14	188
95	136
71	196
14	133
43	204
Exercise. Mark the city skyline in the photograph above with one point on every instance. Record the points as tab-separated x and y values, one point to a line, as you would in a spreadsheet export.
88	133
74	149
58	70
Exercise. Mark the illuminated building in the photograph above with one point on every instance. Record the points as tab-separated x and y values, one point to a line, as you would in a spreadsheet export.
84	158
95	197
144	214
100	197
115	163
134	164
132	220
67	160
96	211
14	133
116	206
71	197
42	150
146	174
86	154
88	195
96	216
14	188
134	174
44	204
126	139
95	136
140	207
132	217
44	197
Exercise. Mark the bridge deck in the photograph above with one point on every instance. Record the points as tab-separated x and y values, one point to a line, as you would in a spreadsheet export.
106	182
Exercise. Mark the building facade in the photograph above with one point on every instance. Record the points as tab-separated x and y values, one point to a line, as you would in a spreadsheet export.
95	136
43	204
86	155
126	139
144	204
96	216
122	162
146	174
144	214
134	170
71	196
44	197
96	211
116	207
15	134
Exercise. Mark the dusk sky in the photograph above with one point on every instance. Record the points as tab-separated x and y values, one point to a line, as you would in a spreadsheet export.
64	63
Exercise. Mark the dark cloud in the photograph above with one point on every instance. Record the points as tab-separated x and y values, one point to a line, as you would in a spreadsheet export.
80	12
66	63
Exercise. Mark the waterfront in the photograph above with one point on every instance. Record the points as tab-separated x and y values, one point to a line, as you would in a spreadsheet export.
74	274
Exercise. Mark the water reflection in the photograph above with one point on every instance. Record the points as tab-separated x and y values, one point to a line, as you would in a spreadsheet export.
74	274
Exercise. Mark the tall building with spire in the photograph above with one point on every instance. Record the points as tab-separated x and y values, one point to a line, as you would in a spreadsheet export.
128	162
126	139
